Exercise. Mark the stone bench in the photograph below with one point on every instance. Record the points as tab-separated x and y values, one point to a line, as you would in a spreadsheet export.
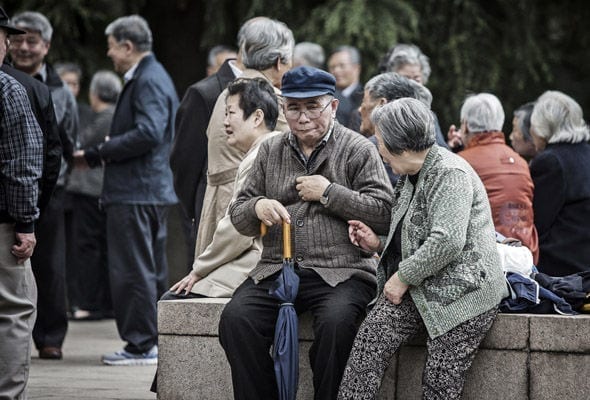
533	357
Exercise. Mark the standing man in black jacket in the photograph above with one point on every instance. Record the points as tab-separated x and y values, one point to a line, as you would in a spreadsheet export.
188	158
28	53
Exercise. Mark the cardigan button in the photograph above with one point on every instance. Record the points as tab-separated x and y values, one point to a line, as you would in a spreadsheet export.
299	258
299	223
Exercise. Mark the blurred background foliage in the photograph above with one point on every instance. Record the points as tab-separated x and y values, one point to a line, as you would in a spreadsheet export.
515	49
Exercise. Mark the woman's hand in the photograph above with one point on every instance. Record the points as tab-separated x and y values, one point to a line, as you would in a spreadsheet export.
395	289
186	283
363	236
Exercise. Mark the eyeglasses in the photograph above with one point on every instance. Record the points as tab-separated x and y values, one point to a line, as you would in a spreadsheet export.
312	111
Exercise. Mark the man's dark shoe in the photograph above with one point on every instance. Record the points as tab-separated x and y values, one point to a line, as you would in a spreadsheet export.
50	353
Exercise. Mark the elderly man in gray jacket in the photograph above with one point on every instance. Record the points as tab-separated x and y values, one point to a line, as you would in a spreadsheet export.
317	177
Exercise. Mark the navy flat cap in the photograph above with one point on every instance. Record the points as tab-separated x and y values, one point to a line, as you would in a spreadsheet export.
304	82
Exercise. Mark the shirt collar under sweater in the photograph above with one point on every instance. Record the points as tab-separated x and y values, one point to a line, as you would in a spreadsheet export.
292	139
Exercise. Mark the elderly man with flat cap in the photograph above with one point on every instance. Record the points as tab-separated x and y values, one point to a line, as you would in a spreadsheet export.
317	176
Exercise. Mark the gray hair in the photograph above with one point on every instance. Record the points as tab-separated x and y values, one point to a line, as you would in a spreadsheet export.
482	112
308	53
67	67
353	52
106	85
404	54
523	118
263	41
215	51
391	86
405	124
422	92
557	118
133	28
36	22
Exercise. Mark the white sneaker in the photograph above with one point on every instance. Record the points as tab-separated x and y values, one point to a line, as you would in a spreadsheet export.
124	357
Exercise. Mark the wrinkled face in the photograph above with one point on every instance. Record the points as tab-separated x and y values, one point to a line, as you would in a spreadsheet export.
411	71
523	147
240	132
394	161
310	131
28	51
345	72
119	53
367	106
73	81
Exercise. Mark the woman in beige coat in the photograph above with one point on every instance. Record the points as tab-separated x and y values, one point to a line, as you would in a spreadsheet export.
251	115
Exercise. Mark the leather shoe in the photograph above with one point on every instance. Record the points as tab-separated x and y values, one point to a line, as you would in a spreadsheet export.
50	353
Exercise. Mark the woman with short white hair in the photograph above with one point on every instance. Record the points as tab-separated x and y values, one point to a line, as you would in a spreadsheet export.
561	174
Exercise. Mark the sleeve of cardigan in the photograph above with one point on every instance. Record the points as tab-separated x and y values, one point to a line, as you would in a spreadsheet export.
449	207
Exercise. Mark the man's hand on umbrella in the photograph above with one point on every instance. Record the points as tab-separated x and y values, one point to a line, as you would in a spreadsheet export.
363	236
186	283
311	187
271	212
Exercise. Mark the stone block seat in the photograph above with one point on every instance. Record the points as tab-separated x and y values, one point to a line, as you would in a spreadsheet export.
524	356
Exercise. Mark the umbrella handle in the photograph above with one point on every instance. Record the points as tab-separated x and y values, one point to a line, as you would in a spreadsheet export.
286	240
263	229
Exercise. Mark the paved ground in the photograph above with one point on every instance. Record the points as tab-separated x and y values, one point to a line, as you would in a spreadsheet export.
80	375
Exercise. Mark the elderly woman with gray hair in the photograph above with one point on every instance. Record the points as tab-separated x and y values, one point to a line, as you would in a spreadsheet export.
439	268
561	174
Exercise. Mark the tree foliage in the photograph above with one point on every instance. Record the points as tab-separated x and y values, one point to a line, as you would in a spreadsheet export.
515	49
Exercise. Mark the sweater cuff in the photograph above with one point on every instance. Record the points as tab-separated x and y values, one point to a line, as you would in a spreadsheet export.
92	156
24	227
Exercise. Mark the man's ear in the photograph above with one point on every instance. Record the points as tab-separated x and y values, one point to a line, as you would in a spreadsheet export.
258	117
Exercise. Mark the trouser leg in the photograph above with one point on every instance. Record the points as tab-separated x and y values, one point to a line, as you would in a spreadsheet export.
48	262
337	313
134	276
246	331
381	334
450	356
18	297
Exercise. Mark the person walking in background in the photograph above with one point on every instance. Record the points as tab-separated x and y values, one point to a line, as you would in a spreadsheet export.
28	53
317	176
266	49
21	152
137	188
561	174
308	53
439	269
89	257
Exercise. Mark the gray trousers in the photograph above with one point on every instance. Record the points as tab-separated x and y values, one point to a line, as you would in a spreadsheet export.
387	327
18	299
138	270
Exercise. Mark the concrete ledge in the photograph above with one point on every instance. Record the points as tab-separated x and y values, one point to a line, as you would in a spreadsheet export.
533	357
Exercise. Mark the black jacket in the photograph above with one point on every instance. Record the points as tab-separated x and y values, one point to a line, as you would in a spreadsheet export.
42	106
188	159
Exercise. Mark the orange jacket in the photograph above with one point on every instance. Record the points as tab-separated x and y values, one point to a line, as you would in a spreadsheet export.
508	183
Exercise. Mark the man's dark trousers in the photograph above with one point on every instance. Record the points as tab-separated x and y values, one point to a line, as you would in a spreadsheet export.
247	324
138	270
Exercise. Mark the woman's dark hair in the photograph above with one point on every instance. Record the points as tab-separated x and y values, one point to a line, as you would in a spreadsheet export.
256	93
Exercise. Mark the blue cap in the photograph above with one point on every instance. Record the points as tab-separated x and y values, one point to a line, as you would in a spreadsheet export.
305	82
